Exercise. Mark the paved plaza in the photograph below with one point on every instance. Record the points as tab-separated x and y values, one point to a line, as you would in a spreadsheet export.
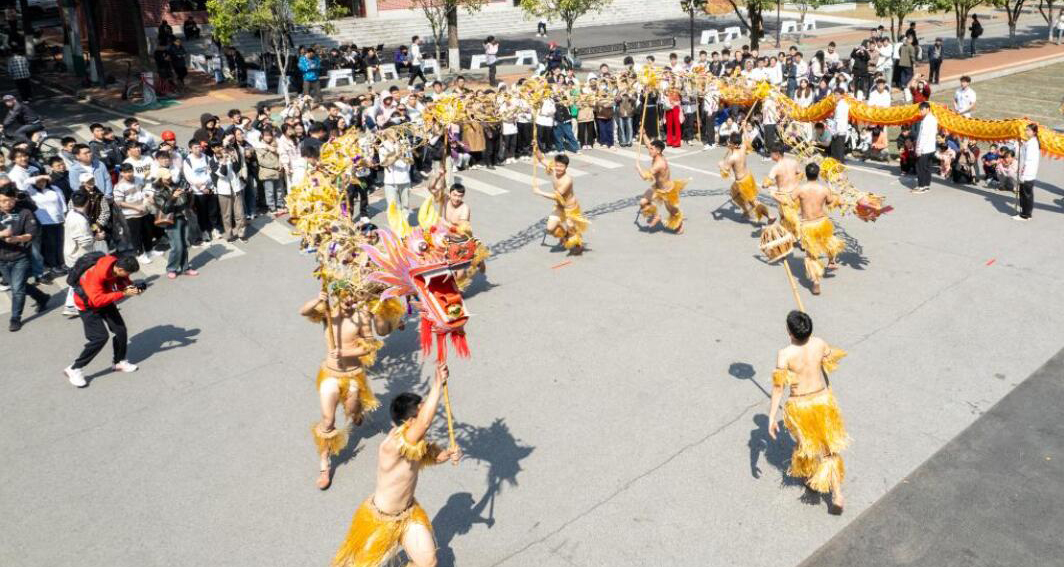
614	409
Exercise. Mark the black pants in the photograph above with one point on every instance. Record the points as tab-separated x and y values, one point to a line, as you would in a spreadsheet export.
771	135
415	72
586	133
491	74
96	324
541	28
52	245
491	148
359	192
838	147
936	68
524	139
507	147
544	138
708	128
923	169
208	216
140	233
1026	199
25	92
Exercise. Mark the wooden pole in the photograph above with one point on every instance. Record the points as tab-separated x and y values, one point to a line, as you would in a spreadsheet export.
642	124
794	285
450	417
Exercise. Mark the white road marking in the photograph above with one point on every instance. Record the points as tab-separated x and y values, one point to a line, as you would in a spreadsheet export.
644	158
479	186
585	158
279	232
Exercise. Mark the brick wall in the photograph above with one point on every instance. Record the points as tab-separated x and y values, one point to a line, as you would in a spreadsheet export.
155	11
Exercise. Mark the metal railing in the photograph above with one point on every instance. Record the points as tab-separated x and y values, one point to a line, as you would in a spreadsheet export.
625	47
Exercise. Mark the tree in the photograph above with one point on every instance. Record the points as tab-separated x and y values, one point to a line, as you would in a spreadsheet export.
803	8
692	7
961	9
276	20
443	17
1045	7
896	10
753	20
567	11
1013	9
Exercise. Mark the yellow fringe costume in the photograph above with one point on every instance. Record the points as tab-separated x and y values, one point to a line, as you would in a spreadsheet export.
465	277
572	224
818	239
391	309
429	212
816	424
354	378
744	195
374	537
670	196
790	217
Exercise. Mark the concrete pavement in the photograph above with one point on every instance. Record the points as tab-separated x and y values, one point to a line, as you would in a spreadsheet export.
613	409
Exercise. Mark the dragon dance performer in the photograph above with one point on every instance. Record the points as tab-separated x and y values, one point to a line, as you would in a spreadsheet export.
811	413
743	188
816	233
342	375
453	212
664	189
391	517
785	176
566	222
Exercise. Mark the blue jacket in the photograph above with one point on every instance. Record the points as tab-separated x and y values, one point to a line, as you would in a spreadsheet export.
310	67
103	178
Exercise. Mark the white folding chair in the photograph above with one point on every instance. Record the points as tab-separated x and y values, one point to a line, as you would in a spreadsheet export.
337	75
809	24
477	61
389	69
710	36
526	57
731	33
789	26
430	65
257	80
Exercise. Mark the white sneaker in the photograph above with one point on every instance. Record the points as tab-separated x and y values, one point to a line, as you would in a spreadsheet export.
155	253
76	377
70	312
124	366
143	259
1020	218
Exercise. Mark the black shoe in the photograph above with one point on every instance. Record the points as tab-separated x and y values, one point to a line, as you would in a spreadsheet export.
14	326
231	239
42	306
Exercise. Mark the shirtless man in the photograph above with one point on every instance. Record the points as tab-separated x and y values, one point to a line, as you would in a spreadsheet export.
452	209
817	234
785	176
663	189
811	414
743	188
391	517
352	347
565	222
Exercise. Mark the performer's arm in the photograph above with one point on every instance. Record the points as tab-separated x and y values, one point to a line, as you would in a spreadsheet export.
416	432
310	308
777	395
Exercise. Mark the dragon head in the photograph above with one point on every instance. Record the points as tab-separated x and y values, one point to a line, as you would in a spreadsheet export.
424	265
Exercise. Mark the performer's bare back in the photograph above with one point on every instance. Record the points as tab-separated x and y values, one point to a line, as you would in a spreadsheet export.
736	162
785	174
813	198
396	477
805	361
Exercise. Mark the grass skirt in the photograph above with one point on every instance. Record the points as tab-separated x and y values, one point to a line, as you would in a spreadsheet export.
374	537
816	424
744	195
346	379
818	239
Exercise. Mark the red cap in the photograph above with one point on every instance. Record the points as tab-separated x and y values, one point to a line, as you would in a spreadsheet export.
169	136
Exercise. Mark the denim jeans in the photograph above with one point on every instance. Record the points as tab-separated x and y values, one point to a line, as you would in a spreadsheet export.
605	132
624	130
275	193
251	194
564	139
177	234
17	274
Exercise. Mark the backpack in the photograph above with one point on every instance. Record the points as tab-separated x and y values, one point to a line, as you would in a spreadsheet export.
81	266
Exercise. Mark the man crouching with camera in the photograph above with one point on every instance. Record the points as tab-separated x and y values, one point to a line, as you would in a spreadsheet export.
99	281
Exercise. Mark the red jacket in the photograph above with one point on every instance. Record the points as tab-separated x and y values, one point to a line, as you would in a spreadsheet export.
101	286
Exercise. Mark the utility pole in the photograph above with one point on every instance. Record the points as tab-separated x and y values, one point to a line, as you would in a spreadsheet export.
94	41
27	28
72	37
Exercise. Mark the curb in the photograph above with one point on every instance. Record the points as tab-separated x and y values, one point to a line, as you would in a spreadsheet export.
1003	70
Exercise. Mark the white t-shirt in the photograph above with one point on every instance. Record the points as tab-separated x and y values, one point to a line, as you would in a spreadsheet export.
964	100
50	206
131	194
546	114
1029	166
926	138
141	168
398	173
880	99
78	238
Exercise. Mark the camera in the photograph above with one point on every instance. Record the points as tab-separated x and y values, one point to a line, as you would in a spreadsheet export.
140	285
